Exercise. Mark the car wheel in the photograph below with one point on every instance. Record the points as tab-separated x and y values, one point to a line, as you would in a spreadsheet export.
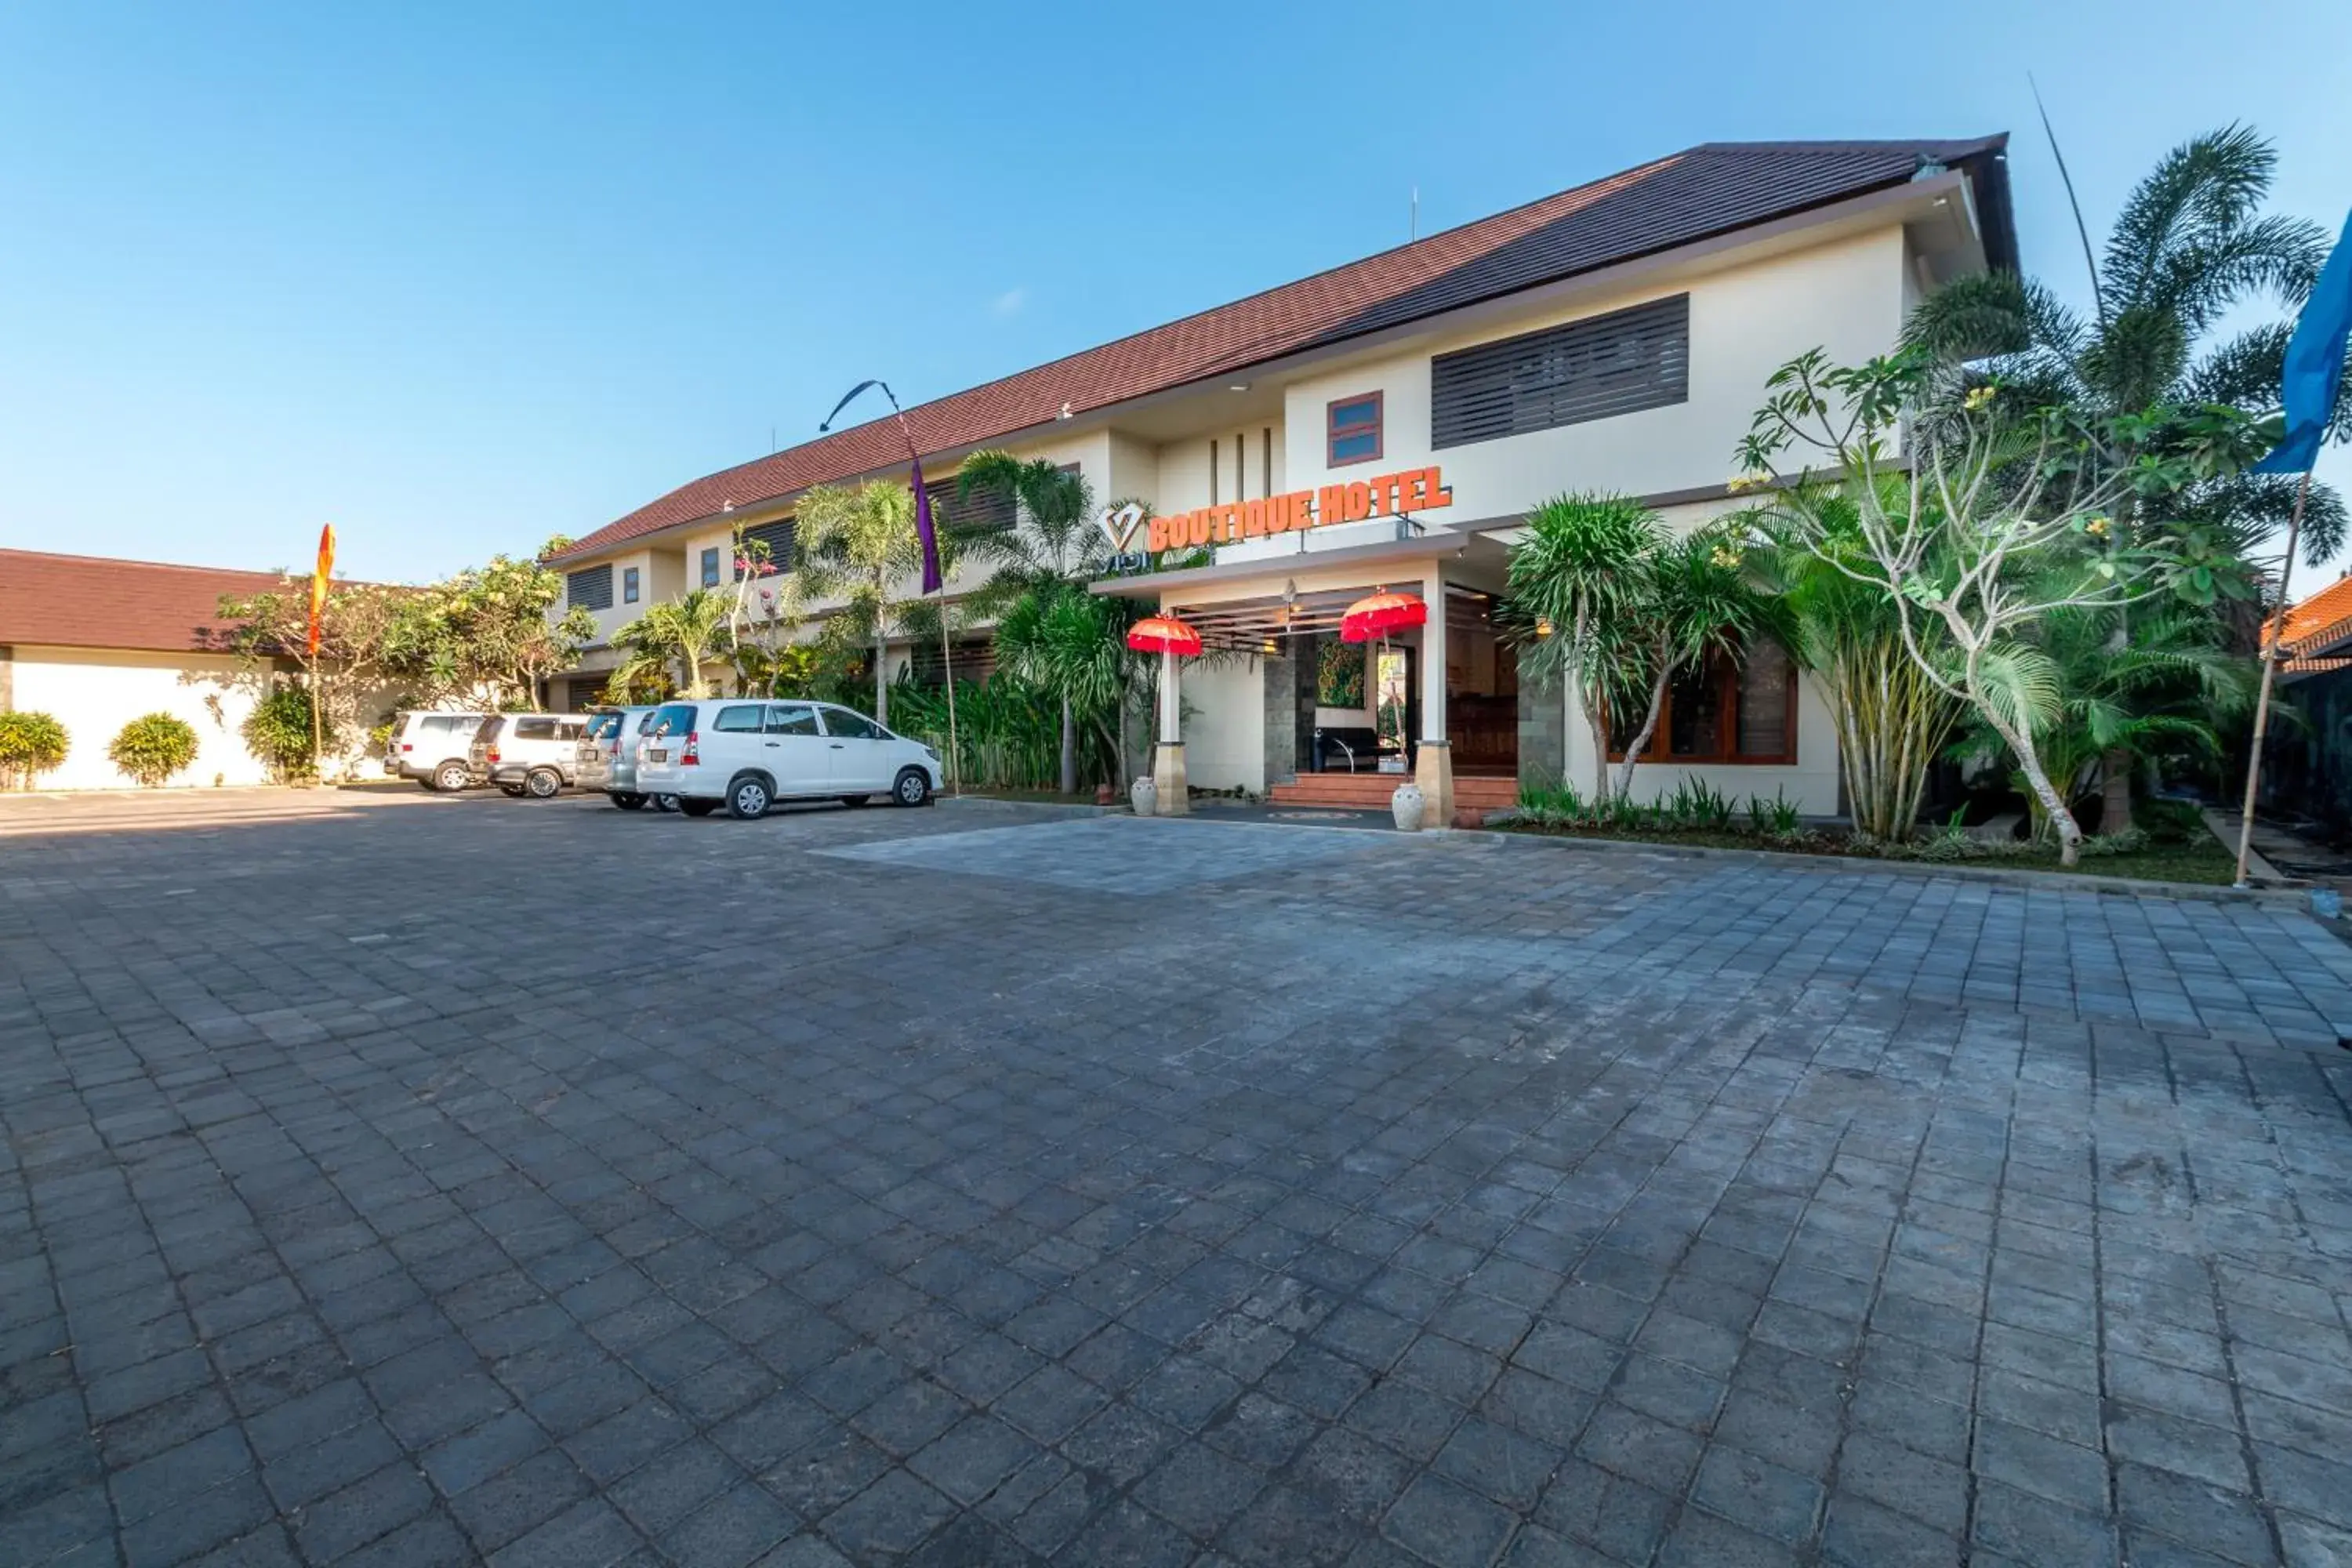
544	784
665	802
748	799
627	801
512	791
854	801
696	807
913	788
450	777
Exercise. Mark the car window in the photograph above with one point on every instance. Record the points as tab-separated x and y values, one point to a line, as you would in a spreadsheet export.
449	724
568	729
534	730
602	726
740	719
646	721
792	719
673	719
855	726
489	729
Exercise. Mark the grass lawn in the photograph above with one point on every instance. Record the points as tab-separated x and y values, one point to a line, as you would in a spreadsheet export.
2199	860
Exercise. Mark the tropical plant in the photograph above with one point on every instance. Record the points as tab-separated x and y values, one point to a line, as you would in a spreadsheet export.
1007	735
682	635
1049	630
1992	524
368	633
2189	246
151	748
1892	720
1691	601
1574	579
488	631
857	543
277	732
31	744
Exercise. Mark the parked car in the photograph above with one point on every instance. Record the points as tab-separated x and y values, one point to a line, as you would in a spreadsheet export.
607	754
430	747
748	754
528	754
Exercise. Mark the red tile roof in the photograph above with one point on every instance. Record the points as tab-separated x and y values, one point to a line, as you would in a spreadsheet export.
2321	612
89	601
1678	200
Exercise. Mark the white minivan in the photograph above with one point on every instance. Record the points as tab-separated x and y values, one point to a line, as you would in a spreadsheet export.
747	753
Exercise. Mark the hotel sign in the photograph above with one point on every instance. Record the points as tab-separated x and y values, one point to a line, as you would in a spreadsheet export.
1354	500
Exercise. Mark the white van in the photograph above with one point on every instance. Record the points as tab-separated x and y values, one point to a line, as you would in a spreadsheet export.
747	753
431	747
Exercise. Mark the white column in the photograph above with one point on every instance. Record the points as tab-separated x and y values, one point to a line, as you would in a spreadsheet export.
1171	706
1168	758
1433	766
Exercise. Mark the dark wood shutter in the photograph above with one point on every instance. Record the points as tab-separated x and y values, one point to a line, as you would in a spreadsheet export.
779	537
590	587
983	511
1593	369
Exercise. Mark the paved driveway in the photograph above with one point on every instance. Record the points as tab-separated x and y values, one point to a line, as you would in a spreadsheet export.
450	1180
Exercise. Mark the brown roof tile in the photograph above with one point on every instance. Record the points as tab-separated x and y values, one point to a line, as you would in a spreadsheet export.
1678	200
89	601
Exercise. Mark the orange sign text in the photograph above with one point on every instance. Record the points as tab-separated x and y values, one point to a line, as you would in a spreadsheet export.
1410	490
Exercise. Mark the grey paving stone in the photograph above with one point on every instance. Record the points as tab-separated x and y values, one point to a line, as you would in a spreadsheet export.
1635	1210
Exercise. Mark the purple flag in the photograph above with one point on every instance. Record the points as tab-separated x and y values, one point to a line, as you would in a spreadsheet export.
923	531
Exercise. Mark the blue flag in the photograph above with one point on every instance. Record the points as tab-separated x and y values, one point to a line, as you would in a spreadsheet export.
2315	363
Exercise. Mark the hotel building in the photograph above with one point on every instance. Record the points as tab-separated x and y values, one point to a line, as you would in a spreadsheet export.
1389	424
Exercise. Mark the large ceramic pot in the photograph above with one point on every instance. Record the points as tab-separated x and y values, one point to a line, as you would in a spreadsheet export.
1406	806
1144	796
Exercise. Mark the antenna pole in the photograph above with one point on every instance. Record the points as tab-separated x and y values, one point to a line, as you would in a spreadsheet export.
1412	224
2082	230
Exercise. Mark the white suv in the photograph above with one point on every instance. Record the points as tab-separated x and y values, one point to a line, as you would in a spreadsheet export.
430	747
528	753
748	753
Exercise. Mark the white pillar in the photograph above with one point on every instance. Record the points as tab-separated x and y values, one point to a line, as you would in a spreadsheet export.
1433	765
1168	757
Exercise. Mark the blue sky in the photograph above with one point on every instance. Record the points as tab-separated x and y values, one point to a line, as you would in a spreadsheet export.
459	277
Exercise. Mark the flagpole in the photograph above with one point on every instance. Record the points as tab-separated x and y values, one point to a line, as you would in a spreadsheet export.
947	659
2270	653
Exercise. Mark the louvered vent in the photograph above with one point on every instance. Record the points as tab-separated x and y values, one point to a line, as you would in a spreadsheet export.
777	537
1593	369
590	587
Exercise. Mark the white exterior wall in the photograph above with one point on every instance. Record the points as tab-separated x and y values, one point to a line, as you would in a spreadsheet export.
94	692
1745	322
1810	782
1223	723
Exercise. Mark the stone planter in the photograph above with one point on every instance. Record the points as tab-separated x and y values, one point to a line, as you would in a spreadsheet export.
1469	816
1406	806
1144	796
1105	795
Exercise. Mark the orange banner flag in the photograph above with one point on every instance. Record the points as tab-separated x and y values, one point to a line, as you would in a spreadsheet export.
319	579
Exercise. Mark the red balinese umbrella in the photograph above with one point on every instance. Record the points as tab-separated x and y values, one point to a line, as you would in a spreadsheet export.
1379	613
1164	634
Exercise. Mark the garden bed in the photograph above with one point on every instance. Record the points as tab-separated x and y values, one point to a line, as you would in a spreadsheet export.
2196	860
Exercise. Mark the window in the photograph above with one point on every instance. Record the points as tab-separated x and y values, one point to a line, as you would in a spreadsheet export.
710	567
1594	369
673	719
628	586
1739	709
604	726
779	537
534	730
569	729
487	731
743	719
852	726
792	719
583	693
591	587
1354	430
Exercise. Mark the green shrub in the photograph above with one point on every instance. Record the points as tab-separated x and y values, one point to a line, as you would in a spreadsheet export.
2130	841
154	747
277	731
2171	821
30	744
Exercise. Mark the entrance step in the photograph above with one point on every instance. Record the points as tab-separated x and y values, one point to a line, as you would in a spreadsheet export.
1371	791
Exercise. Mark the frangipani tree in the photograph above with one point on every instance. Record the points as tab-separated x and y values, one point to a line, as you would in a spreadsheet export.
1978	521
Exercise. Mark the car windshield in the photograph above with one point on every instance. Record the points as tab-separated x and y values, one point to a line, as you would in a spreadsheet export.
604	726
672	719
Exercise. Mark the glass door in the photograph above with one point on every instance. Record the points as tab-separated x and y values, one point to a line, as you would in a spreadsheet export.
1397	707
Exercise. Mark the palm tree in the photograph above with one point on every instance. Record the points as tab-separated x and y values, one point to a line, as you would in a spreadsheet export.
1574	581
2189	244
1693	600
690	631
1892	720
858	542
1045	633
